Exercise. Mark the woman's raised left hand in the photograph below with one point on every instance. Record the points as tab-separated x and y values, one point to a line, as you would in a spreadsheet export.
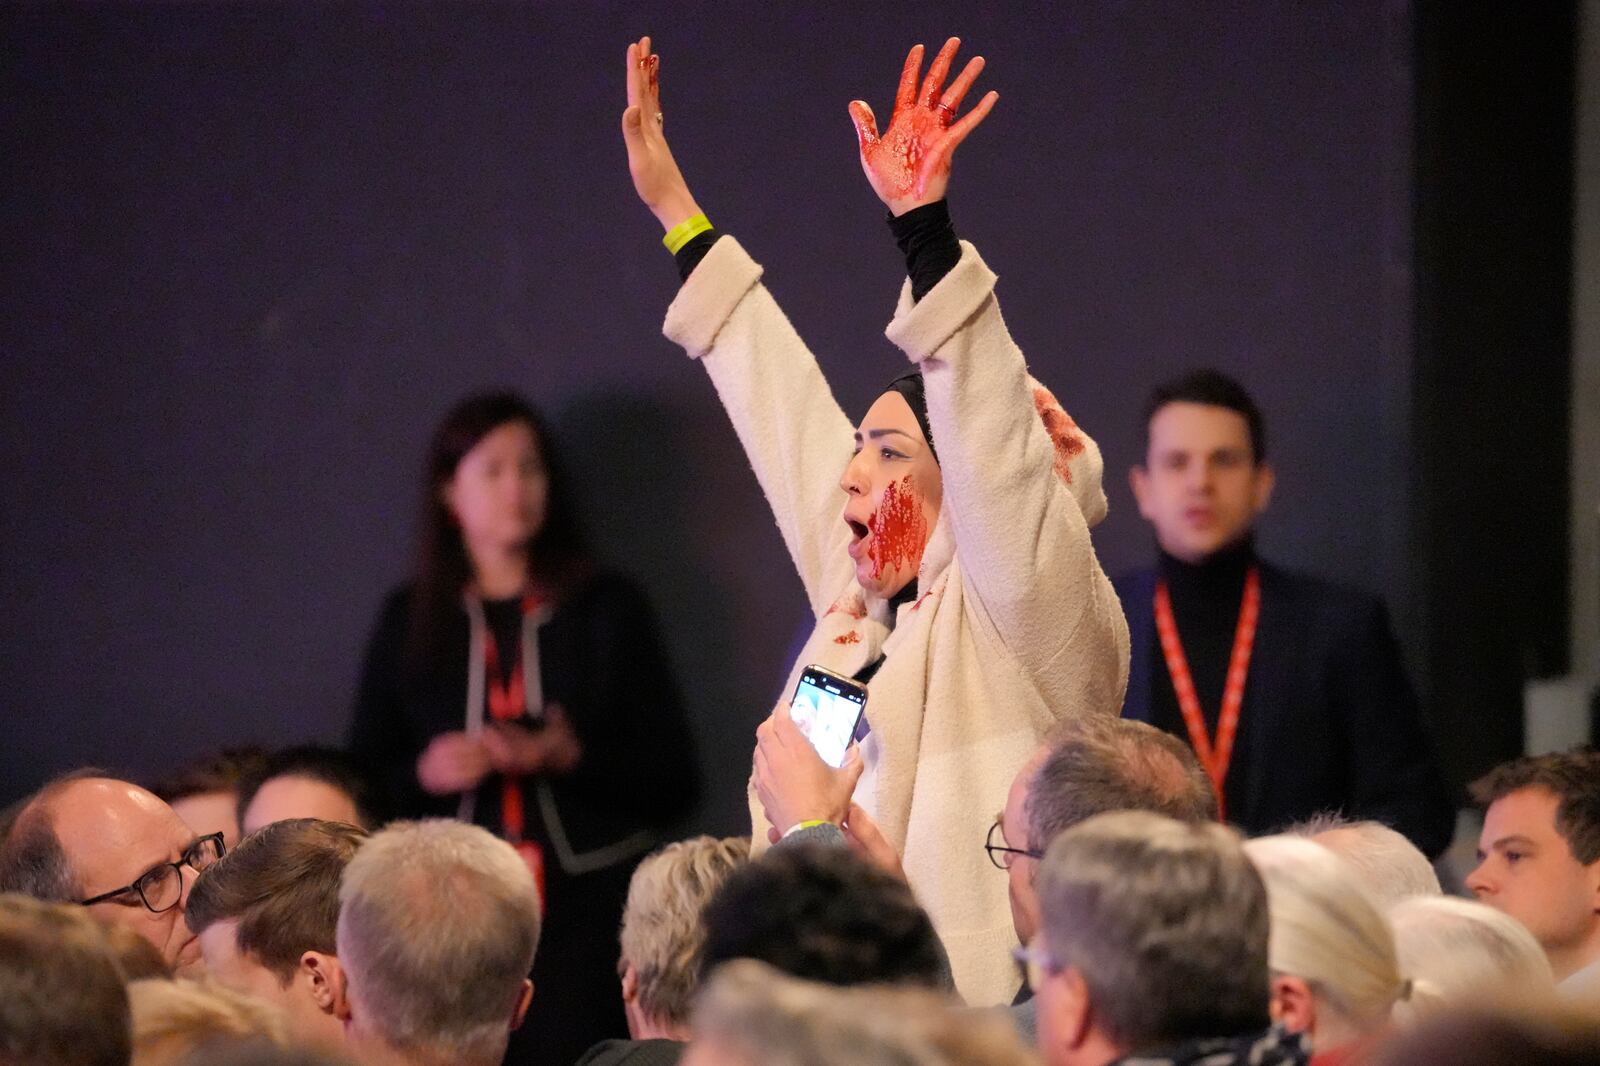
908	164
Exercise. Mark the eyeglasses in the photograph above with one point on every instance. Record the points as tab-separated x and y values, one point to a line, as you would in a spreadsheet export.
160	887
1034	965
1000	854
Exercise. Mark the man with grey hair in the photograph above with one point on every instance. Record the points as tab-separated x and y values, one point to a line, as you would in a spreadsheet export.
1389	867
1152	945
438	922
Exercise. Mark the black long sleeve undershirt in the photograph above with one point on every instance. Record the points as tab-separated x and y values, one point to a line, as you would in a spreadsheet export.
925	235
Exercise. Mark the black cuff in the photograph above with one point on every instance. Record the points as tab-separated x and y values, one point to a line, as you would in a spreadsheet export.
688	257
929	242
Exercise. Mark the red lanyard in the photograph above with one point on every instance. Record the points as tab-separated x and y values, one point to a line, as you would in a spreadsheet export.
1214	756
507	703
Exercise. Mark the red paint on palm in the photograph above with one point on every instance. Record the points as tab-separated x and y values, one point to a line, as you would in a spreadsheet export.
898	527
899	153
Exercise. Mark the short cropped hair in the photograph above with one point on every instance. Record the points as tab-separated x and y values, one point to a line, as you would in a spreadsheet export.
1213	389
821	913
1572	777
1462	953
1389	866
661	931
330	766
174	1020
62	999
219	771
281	885
438	924
1327	931
1100	764
776	1020
1165	921
32	860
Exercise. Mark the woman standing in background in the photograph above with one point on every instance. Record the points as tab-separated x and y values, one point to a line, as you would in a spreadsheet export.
511	684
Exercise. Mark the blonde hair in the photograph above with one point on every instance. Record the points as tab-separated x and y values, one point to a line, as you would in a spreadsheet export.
1390	867
1326	931
1460	952
661	931
174	1019
772	1019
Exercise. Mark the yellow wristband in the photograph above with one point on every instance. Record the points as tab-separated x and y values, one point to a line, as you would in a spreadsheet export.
685	231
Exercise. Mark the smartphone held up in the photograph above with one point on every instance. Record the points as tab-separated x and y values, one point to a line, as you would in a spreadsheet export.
827	708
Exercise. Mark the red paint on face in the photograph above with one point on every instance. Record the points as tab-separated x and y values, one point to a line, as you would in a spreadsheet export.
899	530
851	637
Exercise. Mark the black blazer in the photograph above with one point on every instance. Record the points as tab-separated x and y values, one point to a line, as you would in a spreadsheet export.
1329	721
602	660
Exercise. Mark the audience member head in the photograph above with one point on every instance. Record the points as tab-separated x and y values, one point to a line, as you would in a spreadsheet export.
266	914
115	847
662	933
1460	953
1087	767
1334	974
1389	867
205	793
822	914
1460	1038
494	484
438	922
1539	852
753	1015
1154	934
179	1021
307	782
1205	477
62	998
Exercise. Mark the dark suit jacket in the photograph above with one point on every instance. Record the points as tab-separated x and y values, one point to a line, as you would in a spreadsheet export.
1332	722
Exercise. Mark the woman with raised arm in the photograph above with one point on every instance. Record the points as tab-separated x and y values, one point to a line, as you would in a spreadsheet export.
943	543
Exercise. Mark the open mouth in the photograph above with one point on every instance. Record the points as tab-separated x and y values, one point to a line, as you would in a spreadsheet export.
857	528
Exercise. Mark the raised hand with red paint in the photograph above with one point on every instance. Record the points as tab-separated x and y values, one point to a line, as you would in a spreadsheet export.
908	164
656	177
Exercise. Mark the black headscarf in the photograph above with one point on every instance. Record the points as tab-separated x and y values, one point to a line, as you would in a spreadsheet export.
909	386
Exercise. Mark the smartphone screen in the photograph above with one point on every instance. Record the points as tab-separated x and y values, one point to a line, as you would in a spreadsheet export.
827	707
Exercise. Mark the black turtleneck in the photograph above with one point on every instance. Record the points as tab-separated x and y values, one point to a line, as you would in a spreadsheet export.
1205	604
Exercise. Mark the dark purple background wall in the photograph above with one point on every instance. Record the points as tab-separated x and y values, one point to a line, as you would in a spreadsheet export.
252	253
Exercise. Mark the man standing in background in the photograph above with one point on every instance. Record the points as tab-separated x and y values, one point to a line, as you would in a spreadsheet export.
1289	688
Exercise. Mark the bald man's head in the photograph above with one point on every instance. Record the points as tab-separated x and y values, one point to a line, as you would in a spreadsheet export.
84	837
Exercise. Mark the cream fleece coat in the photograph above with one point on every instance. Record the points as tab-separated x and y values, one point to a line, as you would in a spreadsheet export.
1016	626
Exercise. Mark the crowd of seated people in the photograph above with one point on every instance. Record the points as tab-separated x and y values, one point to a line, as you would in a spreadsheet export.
262	908
1148	930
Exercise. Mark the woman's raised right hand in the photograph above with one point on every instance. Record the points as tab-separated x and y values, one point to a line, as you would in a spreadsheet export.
656	177
452	763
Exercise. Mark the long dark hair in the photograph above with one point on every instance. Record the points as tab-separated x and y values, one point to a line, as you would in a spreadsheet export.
558	558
